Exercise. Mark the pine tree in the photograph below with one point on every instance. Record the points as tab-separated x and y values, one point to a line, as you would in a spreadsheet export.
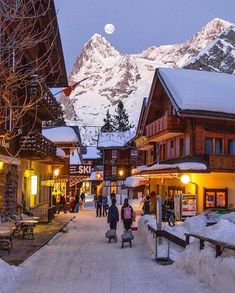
121	119
108	123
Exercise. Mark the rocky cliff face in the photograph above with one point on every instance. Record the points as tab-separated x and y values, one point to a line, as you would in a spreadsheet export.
218	55
114	76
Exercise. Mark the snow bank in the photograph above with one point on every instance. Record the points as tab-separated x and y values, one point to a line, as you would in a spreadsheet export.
8	275
217	273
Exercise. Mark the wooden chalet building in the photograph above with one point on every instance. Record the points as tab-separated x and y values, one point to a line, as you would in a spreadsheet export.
28	157
68	140
93	184
187	127
119	157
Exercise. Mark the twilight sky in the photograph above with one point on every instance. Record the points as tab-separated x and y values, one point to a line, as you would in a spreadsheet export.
139	23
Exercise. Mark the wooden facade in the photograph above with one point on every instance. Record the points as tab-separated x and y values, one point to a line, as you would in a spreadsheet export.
117	165
169	136
32	103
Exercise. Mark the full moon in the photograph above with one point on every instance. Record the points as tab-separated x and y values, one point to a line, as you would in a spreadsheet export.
109	28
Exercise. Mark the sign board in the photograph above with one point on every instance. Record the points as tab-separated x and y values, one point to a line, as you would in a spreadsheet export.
52	182
82	170
189	205
177	207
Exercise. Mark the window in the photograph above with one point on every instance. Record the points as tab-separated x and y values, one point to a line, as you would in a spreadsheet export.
181	147
134	153
209	146
215	198
231	147
214	146
114	154
114	170
172	148
163	151
218	146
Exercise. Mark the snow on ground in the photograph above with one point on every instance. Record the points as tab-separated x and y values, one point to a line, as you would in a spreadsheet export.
81	260
217	273
8	275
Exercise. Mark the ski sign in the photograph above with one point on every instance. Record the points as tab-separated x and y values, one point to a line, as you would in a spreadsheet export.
82	170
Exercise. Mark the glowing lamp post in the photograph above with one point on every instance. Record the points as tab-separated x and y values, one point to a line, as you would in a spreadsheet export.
56	172
121	172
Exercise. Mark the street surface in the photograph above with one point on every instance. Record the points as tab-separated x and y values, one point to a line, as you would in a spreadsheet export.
82	261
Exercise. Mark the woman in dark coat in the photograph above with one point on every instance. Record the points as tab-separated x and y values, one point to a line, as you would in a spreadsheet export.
113	215
146	207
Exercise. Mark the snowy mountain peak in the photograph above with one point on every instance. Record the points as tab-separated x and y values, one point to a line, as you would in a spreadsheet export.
96	51
99	44
114	76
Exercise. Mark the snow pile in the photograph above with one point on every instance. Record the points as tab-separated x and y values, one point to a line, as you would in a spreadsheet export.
134	181
8	275
181	166
115	139
217	273
195	224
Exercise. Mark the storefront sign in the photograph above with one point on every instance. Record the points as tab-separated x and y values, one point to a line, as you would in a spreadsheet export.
189	205
83	170
34	184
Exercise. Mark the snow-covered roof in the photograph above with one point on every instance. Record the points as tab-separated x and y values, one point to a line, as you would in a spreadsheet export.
75	158
92	153
60	153
186	166
60	134
135	181
115	139
200	90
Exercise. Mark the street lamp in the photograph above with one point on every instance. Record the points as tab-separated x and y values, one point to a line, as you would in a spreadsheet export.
121	172
56	172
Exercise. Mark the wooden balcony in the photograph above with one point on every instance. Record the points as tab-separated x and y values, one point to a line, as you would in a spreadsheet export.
49	108
36	147
164	128
222	162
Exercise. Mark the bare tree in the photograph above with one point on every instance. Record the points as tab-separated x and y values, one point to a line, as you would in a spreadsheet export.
27	42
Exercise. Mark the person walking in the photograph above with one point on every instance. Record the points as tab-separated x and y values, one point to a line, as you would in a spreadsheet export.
83	197
99	206
72	203
104	206
113	215
112	195
127	214
62	204
76	203
146	206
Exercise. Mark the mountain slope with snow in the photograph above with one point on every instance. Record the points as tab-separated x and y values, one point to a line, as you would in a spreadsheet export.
113	76
218	55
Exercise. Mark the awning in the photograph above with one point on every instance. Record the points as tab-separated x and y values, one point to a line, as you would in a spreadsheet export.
135	181
10	160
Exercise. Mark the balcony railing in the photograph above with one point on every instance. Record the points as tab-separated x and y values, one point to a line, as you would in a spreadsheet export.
167	123
222	162
37	144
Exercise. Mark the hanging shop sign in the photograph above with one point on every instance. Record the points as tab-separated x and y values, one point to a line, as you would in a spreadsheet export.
82	170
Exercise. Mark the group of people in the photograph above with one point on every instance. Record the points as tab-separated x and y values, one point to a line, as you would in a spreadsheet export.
101	204
75	201
127	215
